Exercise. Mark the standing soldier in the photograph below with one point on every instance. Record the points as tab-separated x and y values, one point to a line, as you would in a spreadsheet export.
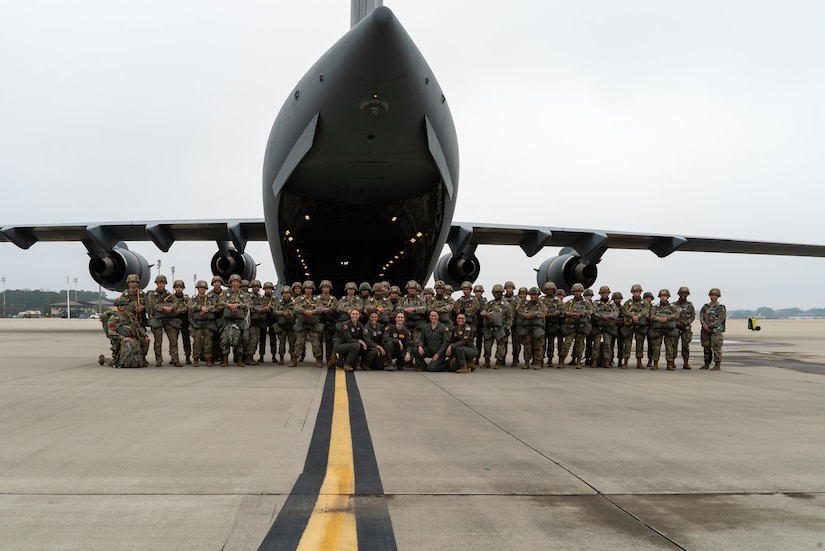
467	302
576	325
712	317
687	313
137	307
617	299
216	295
164	310
283	327
588	339
635	312
443	304
498	321
415	310
202	308
327	316
551	320
270	301
531	313
648	298
236	322
307	314
183	316
257	320
663	326
478	291
376	303
510	296
603	320
520	299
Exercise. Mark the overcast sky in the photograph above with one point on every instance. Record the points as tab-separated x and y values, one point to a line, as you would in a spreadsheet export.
702	119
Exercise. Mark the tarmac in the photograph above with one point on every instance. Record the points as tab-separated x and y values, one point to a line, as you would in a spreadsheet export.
96	458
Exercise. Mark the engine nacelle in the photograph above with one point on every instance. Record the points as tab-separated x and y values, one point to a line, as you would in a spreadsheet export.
565	270
454	271
230	261
110	271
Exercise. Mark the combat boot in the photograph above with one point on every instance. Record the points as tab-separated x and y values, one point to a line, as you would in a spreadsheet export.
706	366
188	360
561	364
577	362
655	365
472	364
319	362
487	363
280	359
293	361
101	359
649	363
639	364
196	362
332	361
176	363
252	360
514	364
499	363
224	360
462	369
685	365
348	367
537	364
241	360
209	362
671	365
716	367
595	362
624	363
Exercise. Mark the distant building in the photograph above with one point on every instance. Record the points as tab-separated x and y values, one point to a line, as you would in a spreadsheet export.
79	309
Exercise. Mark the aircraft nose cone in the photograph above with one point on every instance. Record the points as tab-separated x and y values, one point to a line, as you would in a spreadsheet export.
380	49
382	15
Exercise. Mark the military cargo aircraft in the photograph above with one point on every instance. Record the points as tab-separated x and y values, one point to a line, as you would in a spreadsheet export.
365	143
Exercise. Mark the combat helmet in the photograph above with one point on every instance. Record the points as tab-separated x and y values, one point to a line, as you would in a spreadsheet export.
179	283
269	285
549	286
326	283
351	285
715	291
254	283
588	292
133	277
498	288
201	283
478	288
604	289
217	278
577	287
684	290
121	301
234	277
647	294
664	293
533	291
309	284
413	284
160	278
364	286
466	285
636	287
617	295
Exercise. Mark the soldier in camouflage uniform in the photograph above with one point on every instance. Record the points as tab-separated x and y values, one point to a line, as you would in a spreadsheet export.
712	317
498	322
443	303
517	303
576	325
202	307
687	313
283	327
588	339
604	331
415	310
553	306
128	338
617	299
375	303
467	302
183	315
648	298
270	301
635	312
531	313
663	318
350	301
478	292
257	320
236	322
137	306
164	309
307	313
216	294
328	316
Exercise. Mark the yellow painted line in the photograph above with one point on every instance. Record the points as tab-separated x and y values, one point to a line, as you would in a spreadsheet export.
332	523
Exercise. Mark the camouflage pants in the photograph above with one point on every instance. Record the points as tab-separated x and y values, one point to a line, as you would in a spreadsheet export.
655	347
314	342
603	345
501	345
233	337
640	344
577	341
201	343
254	338
686	335
286	337
533	349
172	335
712	344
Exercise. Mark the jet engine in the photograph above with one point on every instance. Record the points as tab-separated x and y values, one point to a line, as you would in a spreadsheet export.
228	261
565	270
453	270
111	269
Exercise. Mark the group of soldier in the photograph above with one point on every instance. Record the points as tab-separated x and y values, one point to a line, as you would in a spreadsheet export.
379	327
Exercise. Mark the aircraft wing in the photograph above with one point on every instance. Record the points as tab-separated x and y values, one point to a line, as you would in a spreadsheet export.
106	235
591	244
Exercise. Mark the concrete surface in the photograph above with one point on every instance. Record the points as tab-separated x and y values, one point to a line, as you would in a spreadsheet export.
203	458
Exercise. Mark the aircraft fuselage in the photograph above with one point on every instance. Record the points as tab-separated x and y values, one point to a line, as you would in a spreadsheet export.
360	173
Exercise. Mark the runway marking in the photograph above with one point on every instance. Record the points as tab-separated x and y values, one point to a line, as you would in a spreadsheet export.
338	501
